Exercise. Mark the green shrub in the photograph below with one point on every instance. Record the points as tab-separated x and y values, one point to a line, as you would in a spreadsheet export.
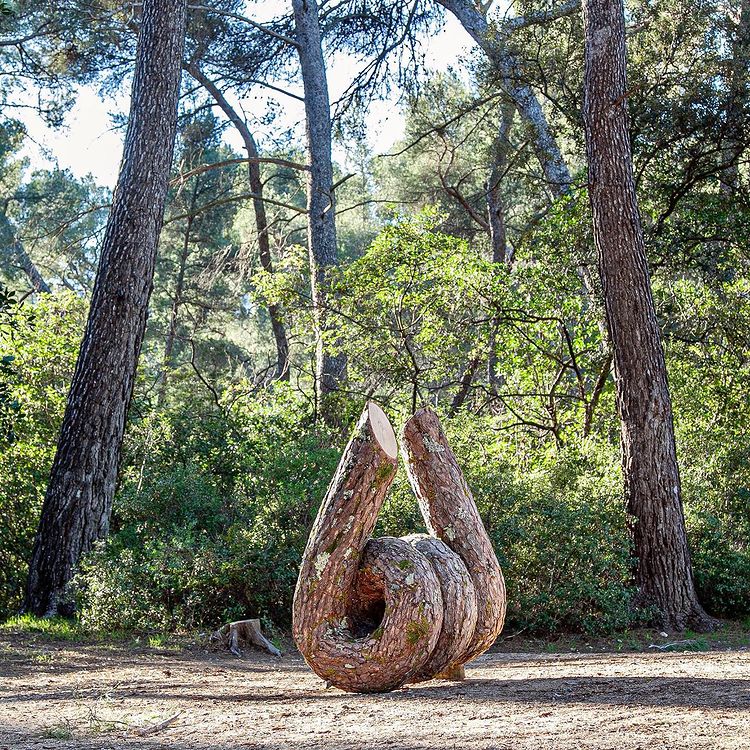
214	512
212	516
40	347
559	530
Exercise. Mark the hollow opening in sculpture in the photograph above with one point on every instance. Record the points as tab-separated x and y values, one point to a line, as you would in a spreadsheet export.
367	605
373	614
367	619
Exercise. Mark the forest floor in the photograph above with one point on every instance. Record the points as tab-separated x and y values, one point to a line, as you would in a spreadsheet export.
106	695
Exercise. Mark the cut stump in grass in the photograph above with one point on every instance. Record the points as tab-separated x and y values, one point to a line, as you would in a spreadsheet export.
235	633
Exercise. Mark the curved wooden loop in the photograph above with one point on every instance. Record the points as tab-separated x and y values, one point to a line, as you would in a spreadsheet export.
451	515
373	614
459	606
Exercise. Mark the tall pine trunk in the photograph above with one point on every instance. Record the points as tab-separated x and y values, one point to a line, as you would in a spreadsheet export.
652	479
261	220
330	369
77	505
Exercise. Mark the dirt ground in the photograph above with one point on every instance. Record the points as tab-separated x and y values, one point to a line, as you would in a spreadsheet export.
94	696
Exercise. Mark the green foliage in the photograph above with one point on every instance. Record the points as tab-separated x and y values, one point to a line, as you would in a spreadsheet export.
558	527
57	628
214	513
212	516
40	346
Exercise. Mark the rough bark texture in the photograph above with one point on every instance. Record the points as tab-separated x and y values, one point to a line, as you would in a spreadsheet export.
652	479
459	607
330	369
259	207
367	613
373	614
77	505
451	515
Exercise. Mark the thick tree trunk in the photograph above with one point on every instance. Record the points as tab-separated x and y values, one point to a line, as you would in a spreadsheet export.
259	207
451	515
321	204
652	479
460	611
77	505
367	613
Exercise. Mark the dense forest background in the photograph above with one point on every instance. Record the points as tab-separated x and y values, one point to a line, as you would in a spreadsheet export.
460	282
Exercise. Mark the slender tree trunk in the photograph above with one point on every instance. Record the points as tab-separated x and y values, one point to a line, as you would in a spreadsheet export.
495	207
494	44
174	312
652	480
495	48
77	505
259	206
737	86
464	386
29	268
330	369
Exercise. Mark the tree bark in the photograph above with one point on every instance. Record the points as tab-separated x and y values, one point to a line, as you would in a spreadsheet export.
29	268
495	207
451	515
259	207
330	368
459	607
652	480
495	47
79	496
367	613
233	634
372	614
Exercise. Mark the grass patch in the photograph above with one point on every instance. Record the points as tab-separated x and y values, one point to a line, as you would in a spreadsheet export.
58	628
63	731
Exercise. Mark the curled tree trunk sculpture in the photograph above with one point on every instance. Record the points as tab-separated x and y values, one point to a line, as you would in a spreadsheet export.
371	615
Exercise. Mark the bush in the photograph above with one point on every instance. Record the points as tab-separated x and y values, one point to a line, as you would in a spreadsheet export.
212	516
40	346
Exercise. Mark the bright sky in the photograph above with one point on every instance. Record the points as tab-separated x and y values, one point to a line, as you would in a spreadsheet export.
89	144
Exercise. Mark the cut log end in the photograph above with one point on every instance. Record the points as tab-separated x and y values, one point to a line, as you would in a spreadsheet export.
382	430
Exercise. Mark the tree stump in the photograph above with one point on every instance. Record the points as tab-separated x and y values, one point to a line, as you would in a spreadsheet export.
371	615
233	634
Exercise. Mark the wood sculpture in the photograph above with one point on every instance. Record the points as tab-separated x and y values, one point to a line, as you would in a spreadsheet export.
371	615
